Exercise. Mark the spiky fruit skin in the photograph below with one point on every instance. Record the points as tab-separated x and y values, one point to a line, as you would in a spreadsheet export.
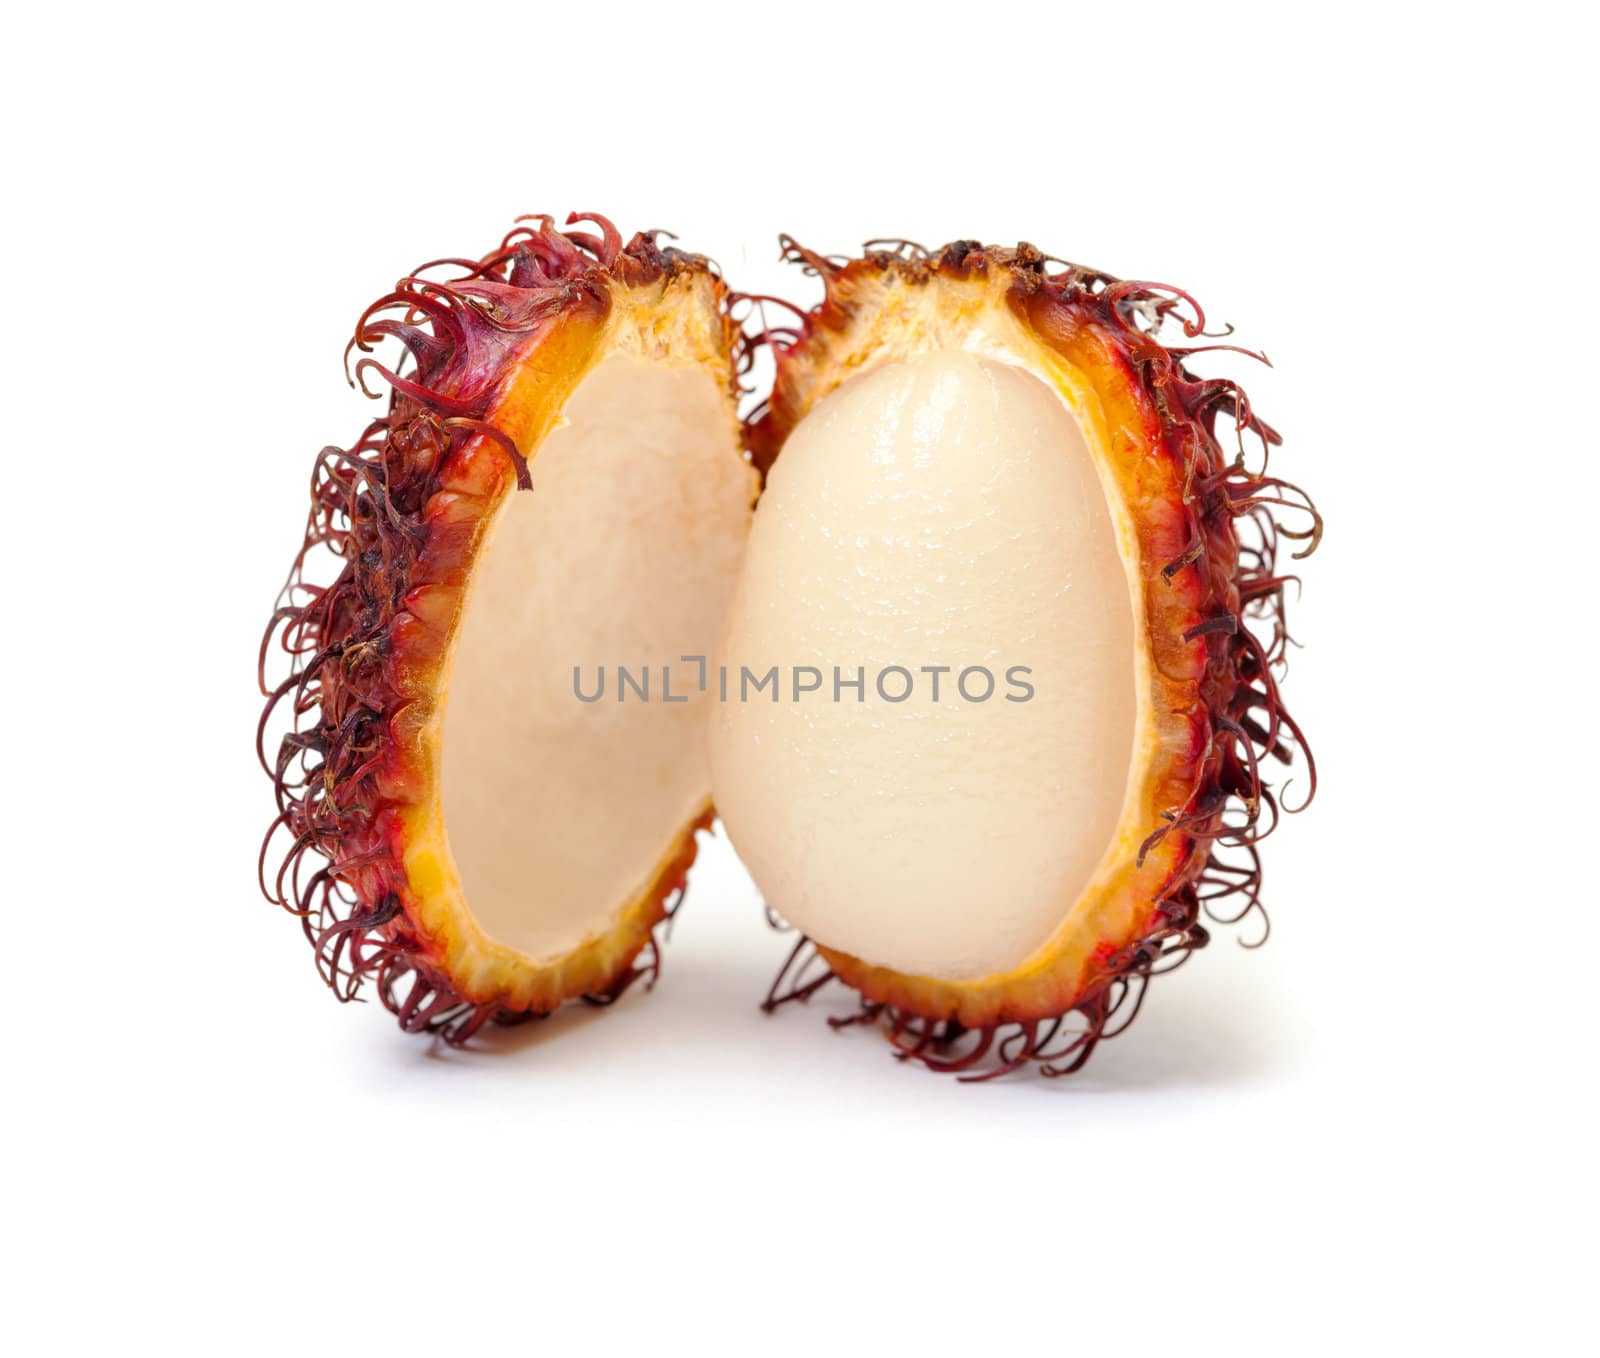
1211	707
498	352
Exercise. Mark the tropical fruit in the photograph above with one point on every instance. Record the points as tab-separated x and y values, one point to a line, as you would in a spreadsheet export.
985	689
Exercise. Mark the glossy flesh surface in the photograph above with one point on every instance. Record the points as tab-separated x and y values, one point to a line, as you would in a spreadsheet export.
941	511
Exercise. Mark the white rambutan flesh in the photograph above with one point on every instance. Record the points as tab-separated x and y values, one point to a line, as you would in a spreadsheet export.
937	525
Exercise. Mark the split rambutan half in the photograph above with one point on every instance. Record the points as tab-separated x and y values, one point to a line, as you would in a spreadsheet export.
983	457
452	825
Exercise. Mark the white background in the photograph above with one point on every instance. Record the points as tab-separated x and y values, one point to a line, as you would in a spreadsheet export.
1373	1135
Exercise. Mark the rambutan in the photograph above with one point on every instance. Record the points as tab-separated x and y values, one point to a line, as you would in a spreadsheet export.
982	459
1013	612
435	754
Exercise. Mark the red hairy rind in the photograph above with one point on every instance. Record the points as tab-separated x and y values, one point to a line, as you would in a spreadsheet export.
327	661
1239	520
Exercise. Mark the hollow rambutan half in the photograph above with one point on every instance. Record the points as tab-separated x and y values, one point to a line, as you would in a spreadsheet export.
986	469
454	823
